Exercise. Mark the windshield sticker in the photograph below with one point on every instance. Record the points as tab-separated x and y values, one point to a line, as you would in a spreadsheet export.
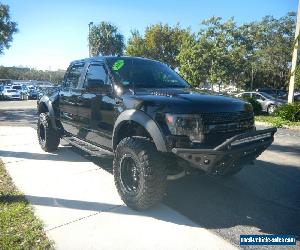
118	65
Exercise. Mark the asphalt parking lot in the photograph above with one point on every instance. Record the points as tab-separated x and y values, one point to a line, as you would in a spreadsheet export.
263	198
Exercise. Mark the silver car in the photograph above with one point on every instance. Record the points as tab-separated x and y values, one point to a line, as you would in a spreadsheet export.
11	94
267	102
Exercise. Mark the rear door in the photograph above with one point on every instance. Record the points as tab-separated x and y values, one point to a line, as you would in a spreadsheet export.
261	100
96	107
68	99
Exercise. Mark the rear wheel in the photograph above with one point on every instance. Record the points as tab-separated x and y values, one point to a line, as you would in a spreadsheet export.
139	173
271	109
48	137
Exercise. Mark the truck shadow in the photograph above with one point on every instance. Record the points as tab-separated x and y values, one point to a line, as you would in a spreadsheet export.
264	197
59	155
19	117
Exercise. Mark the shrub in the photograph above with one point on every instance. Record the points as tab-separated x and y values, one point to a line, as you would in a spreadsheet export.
289	112
255	104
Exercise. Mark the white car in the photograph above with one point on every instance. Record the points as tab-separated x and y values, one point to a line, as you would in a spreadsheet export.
22	89
11	94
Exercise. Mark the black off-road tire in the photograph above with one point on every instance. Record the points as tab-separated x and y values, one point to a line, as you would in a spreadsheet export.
48	137
150	173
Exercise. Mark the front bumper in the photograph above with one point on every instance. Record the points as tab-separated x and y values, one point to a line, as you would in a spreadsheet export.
234	152
12	97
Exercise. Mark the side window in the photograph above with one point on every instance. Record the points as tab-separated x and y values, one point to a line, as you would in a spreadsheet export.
258	97
96	73
73	76
246	95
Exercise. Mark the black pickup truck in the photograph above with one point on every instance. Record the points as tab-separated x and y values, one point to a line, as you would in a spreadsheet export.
153	124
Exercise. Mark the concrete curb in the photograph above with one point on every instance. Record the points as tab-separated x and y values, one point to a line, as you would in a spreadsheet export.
266	124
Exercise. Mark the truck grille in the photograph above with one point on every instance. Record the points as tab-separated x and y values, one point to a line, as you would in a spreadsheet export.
220	126
226	117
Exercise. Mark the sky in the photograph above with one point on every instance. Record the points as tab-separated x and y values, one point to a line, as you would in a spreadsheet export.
54	32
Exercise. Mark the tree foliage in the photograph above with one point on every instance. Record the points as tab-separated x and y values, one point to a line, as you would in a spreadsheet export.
16	73
7	28
105	39
214	55
251	55
297	76
160	42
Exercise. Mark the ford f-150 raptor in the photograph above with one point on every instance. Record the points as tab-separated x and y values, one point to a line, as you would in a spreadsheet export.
152	123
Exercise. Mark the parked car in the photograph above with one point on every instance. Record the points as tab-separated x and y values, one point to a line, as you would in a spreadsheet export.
276	93
23	91
1	92
11	94
268	103
297	98
32	92
153	124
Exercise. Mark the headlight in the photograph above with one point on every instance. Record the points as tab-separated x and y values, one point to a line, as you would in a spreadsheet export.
186	124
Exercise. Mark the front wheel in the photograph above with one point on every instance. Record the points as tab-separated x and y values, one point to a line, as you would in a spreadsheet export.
48	137
139	173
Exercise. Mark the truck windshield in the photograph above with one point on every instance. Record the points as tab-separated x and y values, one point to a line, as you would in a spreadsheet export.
143	73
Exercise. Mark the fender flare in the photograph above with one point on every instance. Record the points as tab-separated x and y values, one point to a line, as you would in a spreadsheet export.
146	122
47	102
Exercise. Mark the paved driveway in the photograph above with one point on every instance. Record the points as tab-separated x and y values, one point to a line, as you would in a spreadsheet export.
263	198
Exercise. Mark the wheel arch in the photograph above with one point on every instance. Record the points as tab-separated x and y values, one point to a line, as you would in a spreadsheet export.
45	105
143	120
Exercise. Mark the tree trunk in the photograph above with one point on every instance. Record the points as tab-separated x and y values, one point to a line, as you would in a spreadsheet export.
252	78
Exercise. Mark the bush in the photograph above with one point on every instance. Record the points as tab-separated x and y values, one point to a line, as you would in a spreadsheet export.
289	112
255	104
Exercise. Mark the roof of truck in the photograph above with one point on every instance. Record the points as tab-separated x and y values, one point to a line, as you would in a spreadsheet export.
103	58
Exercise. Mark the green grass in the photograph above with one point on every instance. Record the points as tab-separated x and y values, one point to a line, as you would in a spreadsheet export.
19	228
275	121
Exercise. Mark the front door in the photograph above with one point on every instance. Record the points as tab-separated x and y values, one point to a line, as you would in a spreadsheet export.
68	99
96	107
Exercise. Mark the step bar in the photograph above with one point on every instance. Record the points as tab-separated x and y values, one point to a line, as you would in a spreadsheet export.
89	148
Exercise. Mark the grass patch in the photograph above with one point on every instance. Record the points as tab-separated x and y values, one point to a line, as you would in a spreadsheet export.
275	121
19	228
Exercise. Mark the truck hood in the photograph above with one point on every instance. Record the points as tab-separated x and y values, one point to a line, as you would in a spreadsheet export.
182	101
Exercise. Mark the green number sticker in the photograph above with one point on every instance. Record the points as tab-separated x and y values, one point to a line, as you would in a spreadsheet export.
118	65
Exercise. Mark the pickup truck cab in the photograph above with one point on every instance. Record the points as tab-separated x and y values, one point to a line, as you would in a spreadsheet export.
154	125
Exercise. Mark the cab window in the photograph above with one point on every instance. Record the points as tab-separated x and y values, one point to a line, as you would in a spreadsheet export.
73	76
96	73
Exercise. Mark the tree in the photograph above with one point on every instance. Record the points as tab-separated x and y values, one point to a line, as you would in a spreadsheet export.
160	42
297	76
7	28
136	45
256	54
16	73
215	55
269	46
105	39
